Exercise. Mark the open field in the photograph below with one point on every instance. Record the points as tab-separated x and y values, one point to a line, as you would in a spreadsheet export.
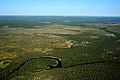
87	49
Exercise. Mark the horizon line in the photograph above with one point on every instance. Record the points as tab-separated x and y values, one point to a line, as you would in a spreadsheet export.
60	15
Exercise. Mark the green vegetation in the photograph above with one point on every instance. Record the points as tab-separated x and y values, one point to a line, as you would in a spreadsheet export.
74	40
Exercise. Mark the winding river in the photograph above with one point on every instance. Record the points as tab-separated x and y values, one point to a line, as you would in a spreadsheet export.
59	64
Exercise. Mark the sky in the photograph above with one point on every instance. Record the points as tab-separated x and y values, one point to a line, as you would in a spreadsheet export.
60	7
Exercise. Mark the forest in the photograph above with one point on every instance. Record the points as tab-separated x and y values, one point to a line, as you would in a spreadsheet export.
59	48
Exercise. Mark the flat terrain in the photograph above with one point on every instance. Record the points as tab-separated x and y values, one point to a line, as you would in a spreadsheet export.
88	49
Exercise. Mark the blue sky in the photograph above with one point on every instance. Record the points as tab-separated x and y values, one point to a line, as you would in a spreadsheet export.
60	7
